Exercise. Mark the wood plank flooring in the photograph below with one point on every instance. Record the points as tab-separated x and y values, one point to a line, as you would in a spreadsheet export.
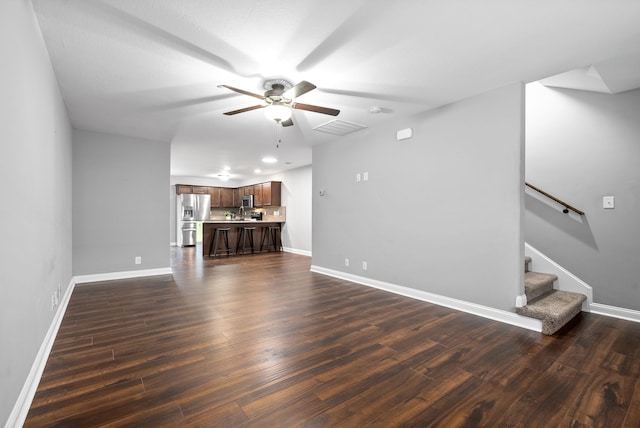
259	340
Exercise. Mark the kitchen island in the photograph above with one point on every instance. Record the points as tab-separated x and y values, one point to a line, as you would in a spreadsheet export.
235	226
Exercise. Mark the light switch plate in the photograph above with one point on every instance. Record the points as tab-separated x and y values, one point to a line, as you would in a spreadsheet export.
608	202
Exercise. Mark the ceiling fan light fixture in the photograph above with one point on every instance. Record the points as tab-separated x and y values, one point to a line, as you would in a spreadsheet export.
277	112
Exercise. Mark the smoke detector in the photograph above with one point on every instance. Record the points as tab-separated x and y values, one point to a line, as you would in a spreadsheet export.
375	110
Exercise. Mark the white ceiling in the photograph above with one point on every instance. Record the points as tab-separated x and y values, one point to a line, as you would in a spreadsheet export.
151	68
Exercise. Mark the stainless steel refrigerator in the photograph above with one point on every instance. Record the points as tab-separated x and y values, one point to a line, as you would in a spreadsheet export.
191	209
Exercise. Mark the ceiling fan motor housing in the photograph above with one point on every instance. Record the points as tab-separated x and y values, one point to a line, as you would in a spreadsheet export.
274	95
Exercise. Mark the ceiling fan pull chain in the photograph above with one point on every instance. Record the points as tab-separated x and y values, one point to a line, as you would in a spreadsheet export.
278	135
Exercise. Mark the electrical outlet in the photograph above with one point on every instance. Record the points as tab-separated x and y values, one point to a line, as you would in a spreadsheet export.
138	260
364	265
365	176
346	262
358	177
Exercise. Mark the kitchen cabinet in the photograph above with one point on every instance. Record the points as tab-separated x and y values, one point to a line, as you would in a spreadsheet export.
257	195
209	226
247	190
237	199
271	193
215	193
200	190
227	197
264	194
186	188
183	188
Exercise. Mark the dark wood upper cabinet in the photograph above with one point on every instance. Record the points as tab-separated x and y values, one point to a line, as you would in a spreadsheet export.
183	188
257	195
215	193
237	197
264	194
227	197
267	194
200	190
247	190
271	193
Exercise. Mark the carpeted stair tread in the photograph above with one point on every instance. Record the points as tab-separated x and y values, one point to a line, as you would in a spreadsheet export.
554	309
537	284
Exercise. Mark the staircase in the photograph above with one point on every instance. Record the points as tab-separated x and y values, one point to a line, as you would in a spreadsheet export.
554	308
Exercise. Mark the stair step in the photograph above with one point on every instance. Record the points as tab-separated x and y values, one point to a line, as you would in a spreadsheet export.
527	261
554	309
537	284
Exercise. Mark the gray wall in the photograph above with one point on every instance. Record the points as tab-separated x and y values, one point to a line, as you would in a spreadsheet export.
296	197
441	212
35	214
120	203
581	146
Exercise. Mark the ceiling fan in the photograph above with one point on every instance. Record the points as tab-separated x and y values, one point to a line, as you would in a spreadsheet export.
280	99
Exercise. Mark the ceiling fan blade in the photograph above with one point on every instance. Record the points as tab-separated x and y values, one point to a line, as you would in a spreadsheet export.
242	91
242	110
316	109
300	89
288	122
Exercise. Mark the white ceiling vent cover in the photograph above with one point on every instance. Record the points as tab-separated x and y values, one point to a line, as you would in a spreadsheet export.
339	127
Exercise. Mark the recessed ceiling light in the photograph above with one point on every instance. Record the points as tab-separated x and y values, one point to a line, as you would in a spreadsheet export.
257	171
269	160
227	168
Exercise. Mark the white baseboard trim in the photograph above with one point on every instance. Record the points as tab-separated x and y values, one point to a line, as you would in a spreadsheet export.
82	279
615	312
21	408
294	251
449	302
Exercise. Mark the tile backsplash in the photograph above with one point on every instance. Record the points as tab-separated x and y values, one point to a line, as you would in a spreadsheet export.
268	213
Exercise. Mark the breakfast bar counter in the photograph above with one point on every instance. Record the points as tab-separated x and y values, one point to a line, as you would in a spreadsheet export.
235	227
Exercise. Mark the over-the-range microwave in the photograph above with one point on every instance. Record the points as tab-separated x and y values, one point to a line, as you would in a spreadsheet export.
247	201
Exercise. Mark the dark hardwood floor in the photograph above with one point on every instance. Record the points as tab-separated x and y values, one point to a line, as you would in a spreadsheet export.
259	340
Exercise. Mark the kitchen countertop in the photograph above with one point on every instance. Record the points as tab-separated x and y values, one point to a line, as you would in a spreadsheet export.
243	221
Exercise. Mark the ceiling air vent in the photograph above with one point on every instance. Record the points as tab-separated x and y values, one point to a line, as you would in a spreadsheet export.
339	127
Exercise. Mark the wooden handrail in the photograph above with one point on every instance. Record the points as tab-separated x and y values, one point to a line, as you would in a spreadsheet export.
566	206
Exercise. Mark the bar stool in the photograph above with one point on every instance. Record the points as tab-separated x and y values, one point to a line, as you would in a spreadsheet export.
224	231
242	237
271	234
